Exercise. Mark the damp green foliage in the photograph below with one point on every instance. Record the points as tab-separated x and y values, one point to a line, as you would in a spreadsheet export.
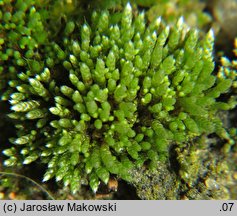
228	69
170	10
111	95
22	34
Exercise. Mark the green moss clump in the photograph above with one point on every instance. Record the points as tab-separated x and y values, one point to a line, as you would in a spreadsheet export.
228	69
192	11
111	95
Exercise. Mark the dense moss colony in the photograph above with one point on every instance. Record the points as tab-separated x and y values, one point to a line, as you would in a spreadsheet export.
110	95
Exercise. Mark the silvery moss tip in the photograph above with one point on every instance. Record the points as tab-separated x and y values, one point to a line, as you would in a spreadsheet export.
113	97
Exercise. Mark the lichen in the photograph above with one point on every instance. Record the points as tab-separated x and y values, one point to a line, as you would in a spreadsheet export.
197	172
